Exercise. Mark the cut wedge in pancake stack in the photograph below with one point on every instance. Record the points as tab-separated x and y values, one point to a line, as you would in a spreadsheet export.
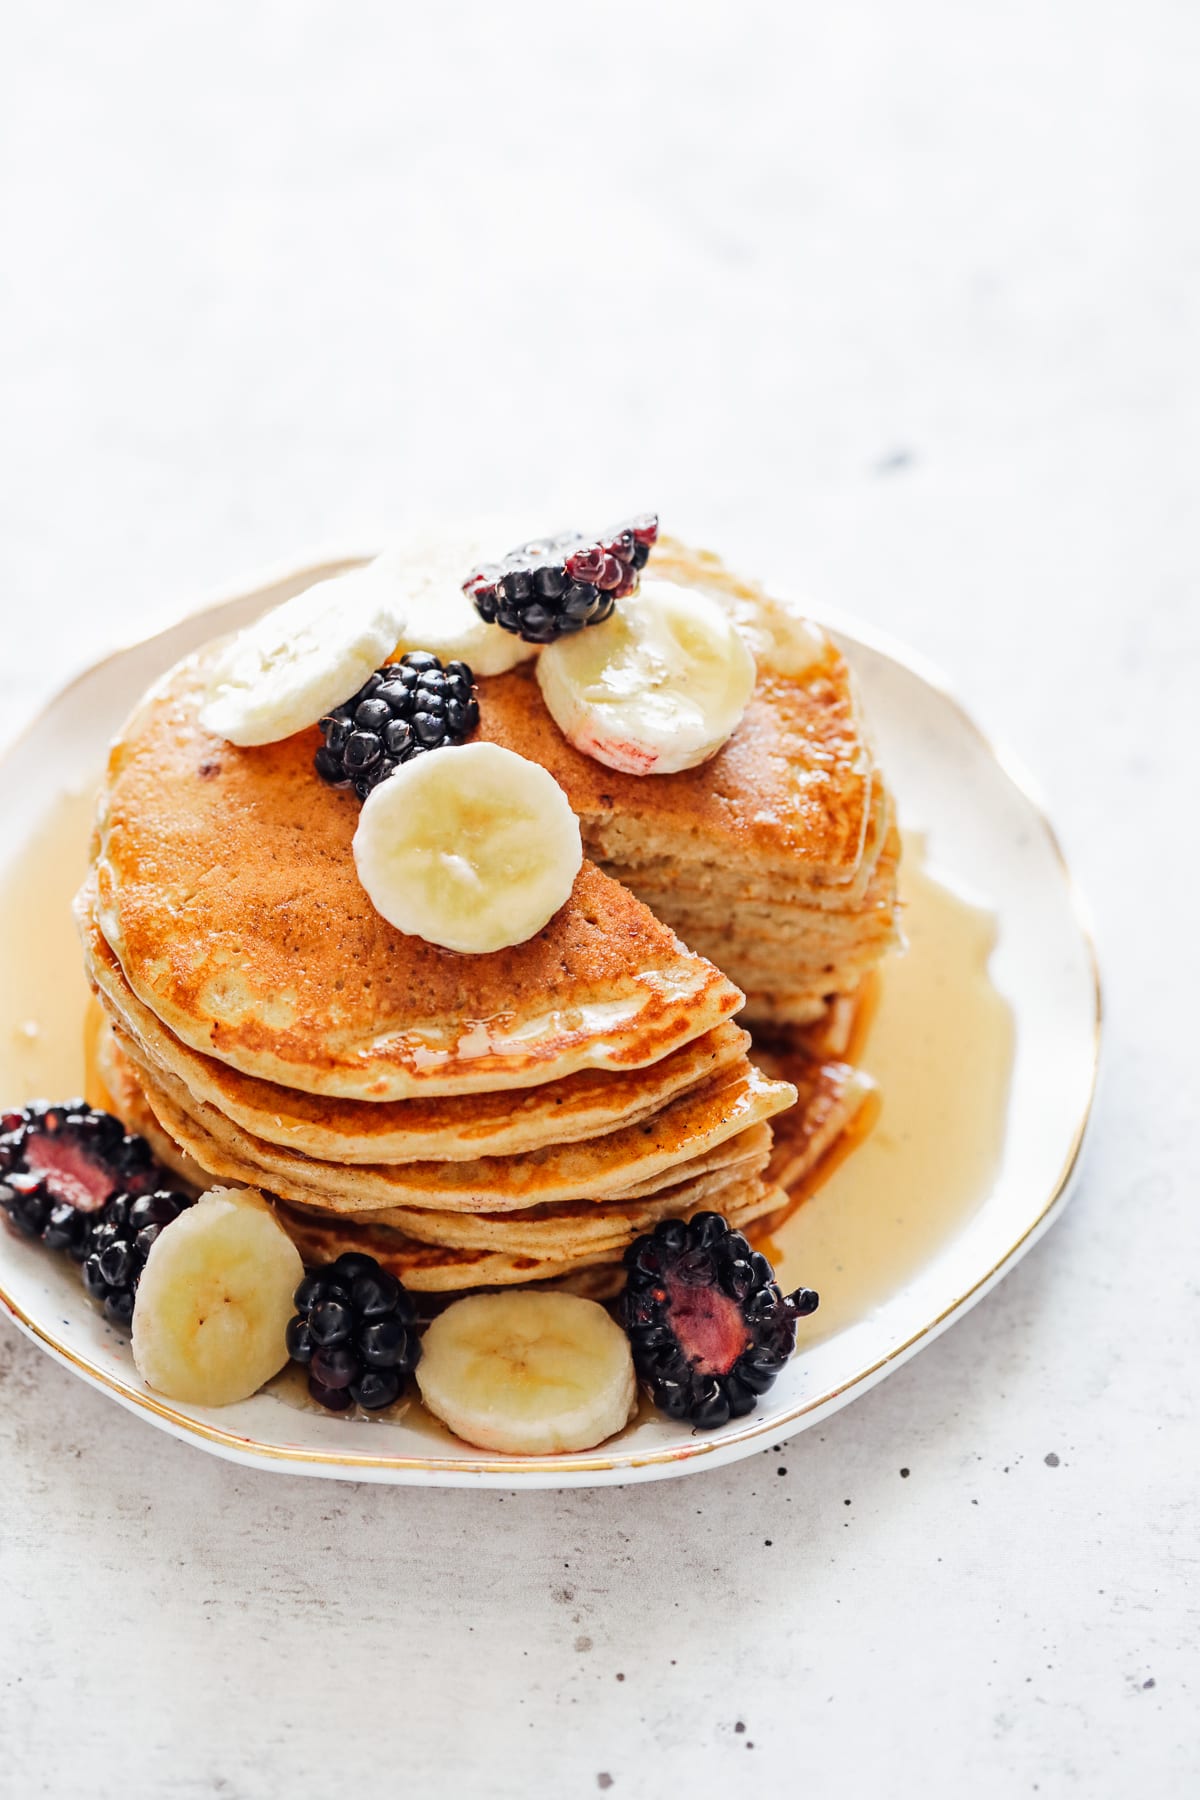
777	857
517	1115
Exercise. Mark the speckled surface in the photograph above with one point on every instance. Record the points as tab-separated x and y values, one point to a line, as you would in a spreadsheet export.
897	302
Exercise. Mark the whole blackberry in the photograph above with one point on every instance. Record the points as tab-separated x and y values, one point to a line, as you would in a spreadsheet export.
553	586
400	711
707	1322
59	1165
119	1243
355	1330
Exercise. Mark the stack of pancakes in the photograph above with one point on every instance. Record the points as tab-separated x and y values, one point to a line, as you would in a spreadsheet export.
511	1117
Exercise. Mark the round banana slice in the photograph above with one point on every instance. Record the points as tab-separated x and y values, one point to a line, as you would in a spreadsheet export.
425	575
213	1304
658	687
283	672
473	848
528	1373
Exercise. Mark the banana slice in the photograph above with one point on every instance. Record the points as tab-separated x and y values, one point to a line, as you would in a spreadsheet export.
283	672
473	848
528	1373
214	1300
425	575
782	640
658	687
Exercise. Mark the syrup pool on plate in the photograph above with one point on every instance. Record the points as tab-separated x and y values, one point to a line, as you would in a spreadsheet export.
43	990
940	1051
939	1048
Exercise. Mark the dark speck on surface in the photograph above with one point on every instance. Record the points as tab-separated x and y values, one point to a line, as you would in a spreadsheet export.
1051	1460
781	1471
209	769
904	1474
894	461
604	1779
740	1726
1149	1684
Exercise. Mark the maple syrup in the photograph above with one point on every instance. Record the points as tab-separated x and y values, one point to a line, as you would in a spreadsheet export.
43	991
922	1154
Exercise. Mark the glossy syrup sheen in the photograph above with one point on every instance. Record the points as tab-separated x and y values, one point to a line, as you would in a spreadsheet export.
43	991
939	1048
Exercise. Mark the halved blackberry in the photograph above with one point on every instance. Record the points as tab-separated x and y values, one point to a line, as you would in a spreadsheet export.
355	1331
556	585
119	1243
708	1324
400	711
67	1155
77	1180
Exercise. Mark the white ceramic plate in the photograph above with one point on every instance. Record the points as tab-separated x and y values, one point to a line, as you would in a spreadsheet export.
987	834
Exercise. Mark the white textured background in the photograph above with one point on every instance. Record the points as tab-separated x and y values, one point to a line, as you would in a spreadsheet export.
899	302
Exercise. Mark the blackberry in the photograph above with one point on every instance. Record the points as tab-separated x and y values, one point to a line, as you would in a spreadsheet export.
75	1179
399	712
355	1330
119	1243
708	1324
556	585
67	1156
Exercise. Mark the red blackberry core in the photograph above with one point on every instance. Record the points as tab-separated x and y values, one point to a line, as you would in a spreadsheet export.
707	1322
557	585
73	1179
71	1155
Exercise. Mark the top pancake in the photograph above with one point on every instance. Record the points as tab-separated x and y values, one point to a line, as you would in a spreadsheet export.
792	789
226	887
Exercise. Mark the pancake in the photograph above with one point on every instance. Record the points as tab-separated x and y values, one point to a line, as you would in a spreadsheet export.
777	858
692	1130
227	889
434	1268
446	1268
454	1127
578	1246
791	788
574	1228
831	1097
124	1090
446	1253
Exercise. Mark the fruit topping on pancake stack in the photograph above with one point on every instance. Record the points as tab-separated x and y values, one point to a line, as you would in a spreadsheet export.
422	910
556	586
